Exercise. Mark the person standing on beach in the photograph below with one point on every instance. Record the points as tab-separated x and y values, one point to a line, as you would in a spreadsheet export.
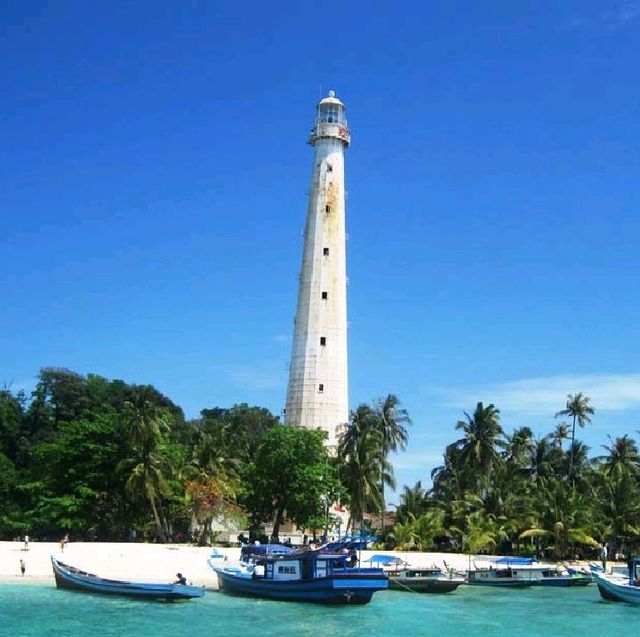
603	556
23	567
26	541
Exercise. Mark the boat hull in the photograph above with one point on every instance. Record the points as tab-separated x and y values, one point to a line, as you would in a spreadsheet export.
562	581
344	588
503	584
70	578
424	584
620	591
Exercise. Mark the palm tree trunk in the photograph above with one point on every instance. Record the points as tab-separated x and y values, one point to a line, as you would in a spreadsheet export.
156	517
384	455
573	439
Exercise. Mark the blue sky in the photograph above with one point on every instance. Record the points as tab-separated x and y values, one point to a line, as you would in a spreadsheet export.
153	177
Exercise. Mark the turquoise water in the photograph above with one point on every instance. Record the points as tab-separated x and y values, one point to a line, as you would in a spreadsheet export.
29	610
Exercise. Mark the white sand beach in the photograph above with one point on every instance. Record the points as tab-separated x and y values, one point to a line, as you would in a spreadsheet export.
151	562
159	562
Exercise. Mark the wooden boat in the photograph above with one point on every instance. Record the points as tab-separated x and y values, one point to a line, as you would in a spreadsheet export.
73	578
403	577
618	588
300	576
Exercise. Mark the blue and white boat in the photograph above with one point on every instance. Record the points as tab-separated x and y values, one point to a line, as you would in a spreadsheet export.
618	588
501	574
544	574
269	572
73	578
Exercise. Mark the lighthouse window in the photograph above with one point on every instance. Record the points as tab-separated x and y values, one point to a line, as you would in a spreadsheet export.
320	388
327	208
323	341
325	252
325	296
329	168
331	114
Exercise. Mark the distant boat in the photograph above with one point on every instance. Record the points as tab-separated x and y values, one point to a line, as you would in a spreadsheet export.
403	577
73	578
300	576
521	572
558	576
500	574
618	588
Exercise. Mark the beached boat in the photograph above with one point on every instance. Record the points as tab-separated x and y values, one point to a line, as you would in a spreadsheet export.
301	576
619	588
404	577
73	578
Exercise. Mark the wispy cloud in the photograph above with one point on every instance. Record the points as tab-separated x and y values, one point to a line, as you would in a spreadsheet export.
621	16
260	376
609	21
423	459
544	396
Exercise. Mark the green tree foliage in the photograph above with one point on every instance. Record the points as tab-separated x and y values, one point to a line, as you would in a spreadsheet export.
391	420
291	475
579	409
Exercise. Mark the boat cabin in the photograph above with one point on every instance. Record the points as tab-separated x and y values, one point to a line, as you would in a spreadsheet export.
295	566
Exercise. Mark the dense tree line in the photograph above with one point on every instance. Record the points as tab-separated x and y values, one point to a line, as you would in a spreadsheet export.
519	493
107	460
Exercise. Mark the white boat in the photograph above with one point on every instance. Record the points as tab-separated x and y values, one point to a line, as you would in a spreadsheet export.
519	572
620	588
416	579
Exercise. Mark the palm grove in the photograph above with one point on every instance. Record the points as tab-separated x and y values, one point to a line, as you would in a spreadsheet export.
107	460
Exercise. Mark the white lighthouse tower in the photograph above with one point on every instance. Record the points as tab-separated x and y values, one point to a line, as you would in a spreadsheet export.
317	394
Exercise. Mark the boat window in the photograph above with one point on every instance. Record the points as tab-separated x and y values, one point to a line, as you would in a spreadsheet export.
321	568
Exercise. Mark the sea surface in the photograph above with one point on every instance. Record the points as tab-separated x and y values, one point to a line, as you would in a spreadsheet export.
40	610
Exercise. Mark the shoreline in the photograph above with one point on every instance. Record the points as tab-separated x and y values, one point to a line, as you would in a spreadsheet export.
161	562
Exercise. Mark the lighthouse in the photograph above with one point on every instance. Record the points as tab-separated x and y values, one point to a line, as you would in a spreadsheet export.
317	393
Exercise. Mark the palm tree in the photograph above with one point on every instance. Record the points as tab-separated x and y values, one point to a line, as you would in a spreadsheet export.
362	464
519	447
579	409
622	460
391	420
146	427
413	501
482	531
566	515
479	447
560	434
427	527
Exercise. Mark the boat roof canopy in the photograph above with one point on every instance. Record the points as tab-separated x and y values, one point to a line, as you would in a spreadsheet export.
385	559
516	561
